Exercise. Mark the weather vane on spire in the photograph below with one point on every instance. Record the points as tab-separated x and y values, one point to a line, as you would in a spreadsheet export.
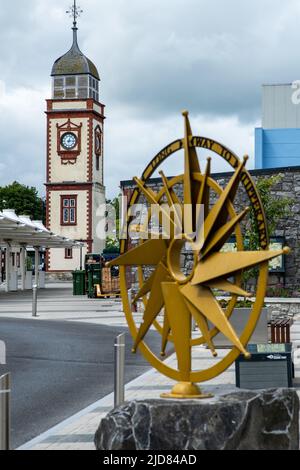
74	11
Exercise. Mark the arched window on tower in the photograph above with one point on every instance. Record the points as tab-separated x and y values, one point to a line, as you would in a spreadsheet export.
98	146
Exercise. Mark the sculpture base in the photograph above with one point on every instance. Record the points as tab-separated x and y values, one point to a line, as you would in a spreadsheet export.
245	420
186	391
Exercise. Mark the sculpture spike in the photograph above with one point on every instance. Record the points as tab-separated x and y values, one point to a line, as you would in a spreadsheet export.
191	165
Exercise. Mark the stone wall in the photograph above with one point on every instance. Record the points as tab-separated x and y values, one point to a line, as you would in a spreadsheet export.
289	228
59	277
283	310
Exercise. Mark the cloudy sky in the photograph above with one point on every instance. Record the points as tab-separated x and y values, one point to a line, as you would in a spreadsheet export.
155	58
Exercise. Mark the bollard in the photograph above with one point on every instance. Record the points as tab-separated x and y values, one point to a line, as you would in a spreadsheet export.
34	300
119	393
5	412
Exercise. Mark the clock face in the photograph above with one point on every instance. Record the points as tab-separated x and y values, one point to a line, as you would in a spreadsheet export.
69	141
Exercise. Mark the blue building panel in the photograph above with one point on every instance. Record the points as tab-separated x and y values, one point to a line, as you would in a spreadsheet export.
276	148
281	150
281	136
259	148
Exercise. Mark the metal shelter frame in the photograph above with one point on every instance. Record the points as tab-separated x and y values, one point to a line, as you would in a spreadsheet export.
23	233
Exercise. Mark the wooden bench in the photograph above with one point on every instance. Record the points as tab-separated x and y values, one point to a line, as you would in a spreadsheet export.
280	331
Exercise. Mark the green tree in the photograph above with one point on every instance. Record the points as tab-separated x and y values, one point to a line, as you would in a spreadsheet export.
112	245
276	209
24	199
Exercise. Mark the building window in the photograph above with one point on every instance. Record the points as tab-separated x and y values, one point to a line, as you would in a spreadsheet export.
68	253
68	210
75	87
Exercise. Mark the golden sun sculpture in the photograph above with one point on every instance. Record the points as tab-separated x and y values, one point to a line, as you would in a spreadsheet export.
170	294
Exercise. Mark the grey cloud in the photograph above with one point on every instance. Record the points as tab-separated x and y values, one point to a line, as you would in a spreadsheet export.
211	56
155	57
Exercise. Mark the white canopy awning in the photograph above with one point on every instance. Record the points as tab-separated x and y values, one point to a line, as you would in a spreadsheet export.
21	230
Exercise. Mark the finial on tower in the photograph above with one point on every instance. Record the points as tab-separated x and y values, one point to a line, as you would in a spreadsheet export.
74	12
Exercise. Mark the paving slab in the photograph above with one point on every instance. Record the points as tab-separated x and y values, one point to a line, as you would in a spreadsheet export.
57	302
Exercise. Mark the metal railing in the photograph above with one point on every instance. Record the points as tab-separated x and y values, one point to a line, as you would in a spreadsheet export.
119	388
5	412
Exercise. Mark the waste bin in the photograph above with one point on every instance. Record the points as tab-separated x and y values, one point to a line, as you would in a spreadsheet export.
94	278
79	283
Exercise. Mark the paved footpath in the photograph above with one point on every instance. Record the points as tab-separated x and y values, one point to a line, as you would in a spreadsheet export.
78	432
56	302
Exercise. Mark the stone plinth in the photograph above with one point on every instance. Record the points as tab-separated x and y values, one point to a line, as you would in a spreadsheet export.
263	420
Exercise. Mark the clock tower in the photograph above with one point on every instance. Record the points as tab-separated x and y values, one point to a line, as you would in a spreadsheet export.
75	131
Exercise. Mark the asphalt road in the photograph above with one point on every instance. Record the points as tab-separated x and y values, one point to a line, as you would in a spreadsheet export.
59	368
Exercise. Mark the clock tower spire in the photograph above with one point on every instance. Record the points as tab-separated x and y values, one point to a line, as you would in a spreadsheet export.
74	11
75	131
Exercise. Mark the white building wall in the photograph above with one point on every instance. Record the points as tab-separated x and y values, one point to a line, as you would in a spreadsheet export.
74	232
69	105
71	174
65	173
279	110
59	263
